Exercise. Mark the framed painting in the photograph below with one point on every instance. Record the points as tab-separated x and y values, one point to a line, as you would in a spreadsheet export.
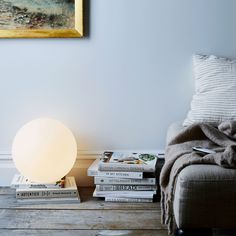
41	18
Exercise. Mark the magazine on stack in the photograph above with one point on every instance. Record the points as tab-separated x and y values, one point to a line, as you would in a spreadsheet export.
128	161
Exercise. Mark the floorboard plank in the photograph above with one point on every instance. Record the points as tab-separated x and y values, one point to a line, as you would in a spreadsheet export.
8	201
79	219
92	217
83	232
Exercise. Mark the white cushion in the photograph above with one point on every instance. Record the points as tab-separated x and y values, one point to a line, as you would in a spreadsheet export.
215	90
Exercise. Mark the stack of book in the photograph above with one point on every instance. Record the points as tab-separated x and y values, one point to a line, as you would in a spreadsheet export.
64	191
125	177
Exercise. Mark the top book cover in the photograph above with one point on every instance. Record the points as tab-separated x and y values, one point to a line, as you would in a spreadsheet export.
19	181
128	161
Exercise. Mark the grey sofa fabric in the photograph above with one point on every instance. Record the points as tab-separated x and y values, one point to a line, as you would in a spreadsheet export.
205	195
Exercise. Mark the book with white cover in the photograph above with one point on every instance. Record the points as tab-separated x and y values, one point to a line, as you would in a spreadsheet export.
93	171
126	194
19	181
35	201
124	199
70	190
126	187
124	181
128	161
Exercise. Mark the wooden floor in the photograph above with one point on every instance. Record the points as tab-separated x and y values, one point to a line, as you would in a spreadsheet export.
89	218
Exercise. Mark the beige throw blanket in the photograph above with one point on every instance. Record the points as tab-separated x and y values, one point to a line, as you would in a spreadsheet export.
179	154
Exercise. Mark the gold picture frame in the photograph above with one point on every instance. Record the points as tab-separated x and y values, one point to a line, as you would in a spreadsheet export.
33	31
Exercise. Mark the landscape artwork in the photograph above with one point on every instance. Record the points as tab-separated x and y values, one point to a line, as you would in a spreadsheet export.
40	17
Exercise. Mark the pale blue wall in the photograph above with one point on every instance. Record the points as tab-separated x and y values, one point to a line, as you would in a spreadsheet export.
121	87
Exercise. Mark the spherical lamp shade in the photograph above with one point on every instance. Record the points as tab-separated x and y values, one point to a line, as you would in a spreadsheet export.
44	150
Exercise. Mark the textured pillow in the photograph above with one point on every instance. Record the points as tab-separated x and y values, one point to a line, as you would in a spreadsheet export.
215	90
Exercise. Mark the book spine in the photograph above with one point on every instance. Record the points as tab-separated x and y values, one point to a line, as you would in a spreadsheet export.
123	181
33	186
115	174
128	194
49	200
123	199
125	188
122	167
22	194
19	181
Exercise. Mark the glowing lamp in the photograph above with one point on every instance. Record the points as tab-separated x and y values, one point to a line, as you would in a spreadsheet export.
44	150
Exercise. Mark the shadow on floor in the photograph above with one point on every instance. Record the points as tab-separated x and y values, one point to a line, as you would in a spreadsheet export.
220	232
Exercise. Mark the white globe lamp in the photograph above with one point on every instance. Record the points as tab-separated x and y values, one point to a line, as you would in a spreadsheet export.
44	150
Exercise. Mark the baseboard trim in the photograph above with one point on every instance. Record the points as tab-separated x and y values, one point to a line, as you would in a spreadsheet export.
84	154
84	160
79	170
90	155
